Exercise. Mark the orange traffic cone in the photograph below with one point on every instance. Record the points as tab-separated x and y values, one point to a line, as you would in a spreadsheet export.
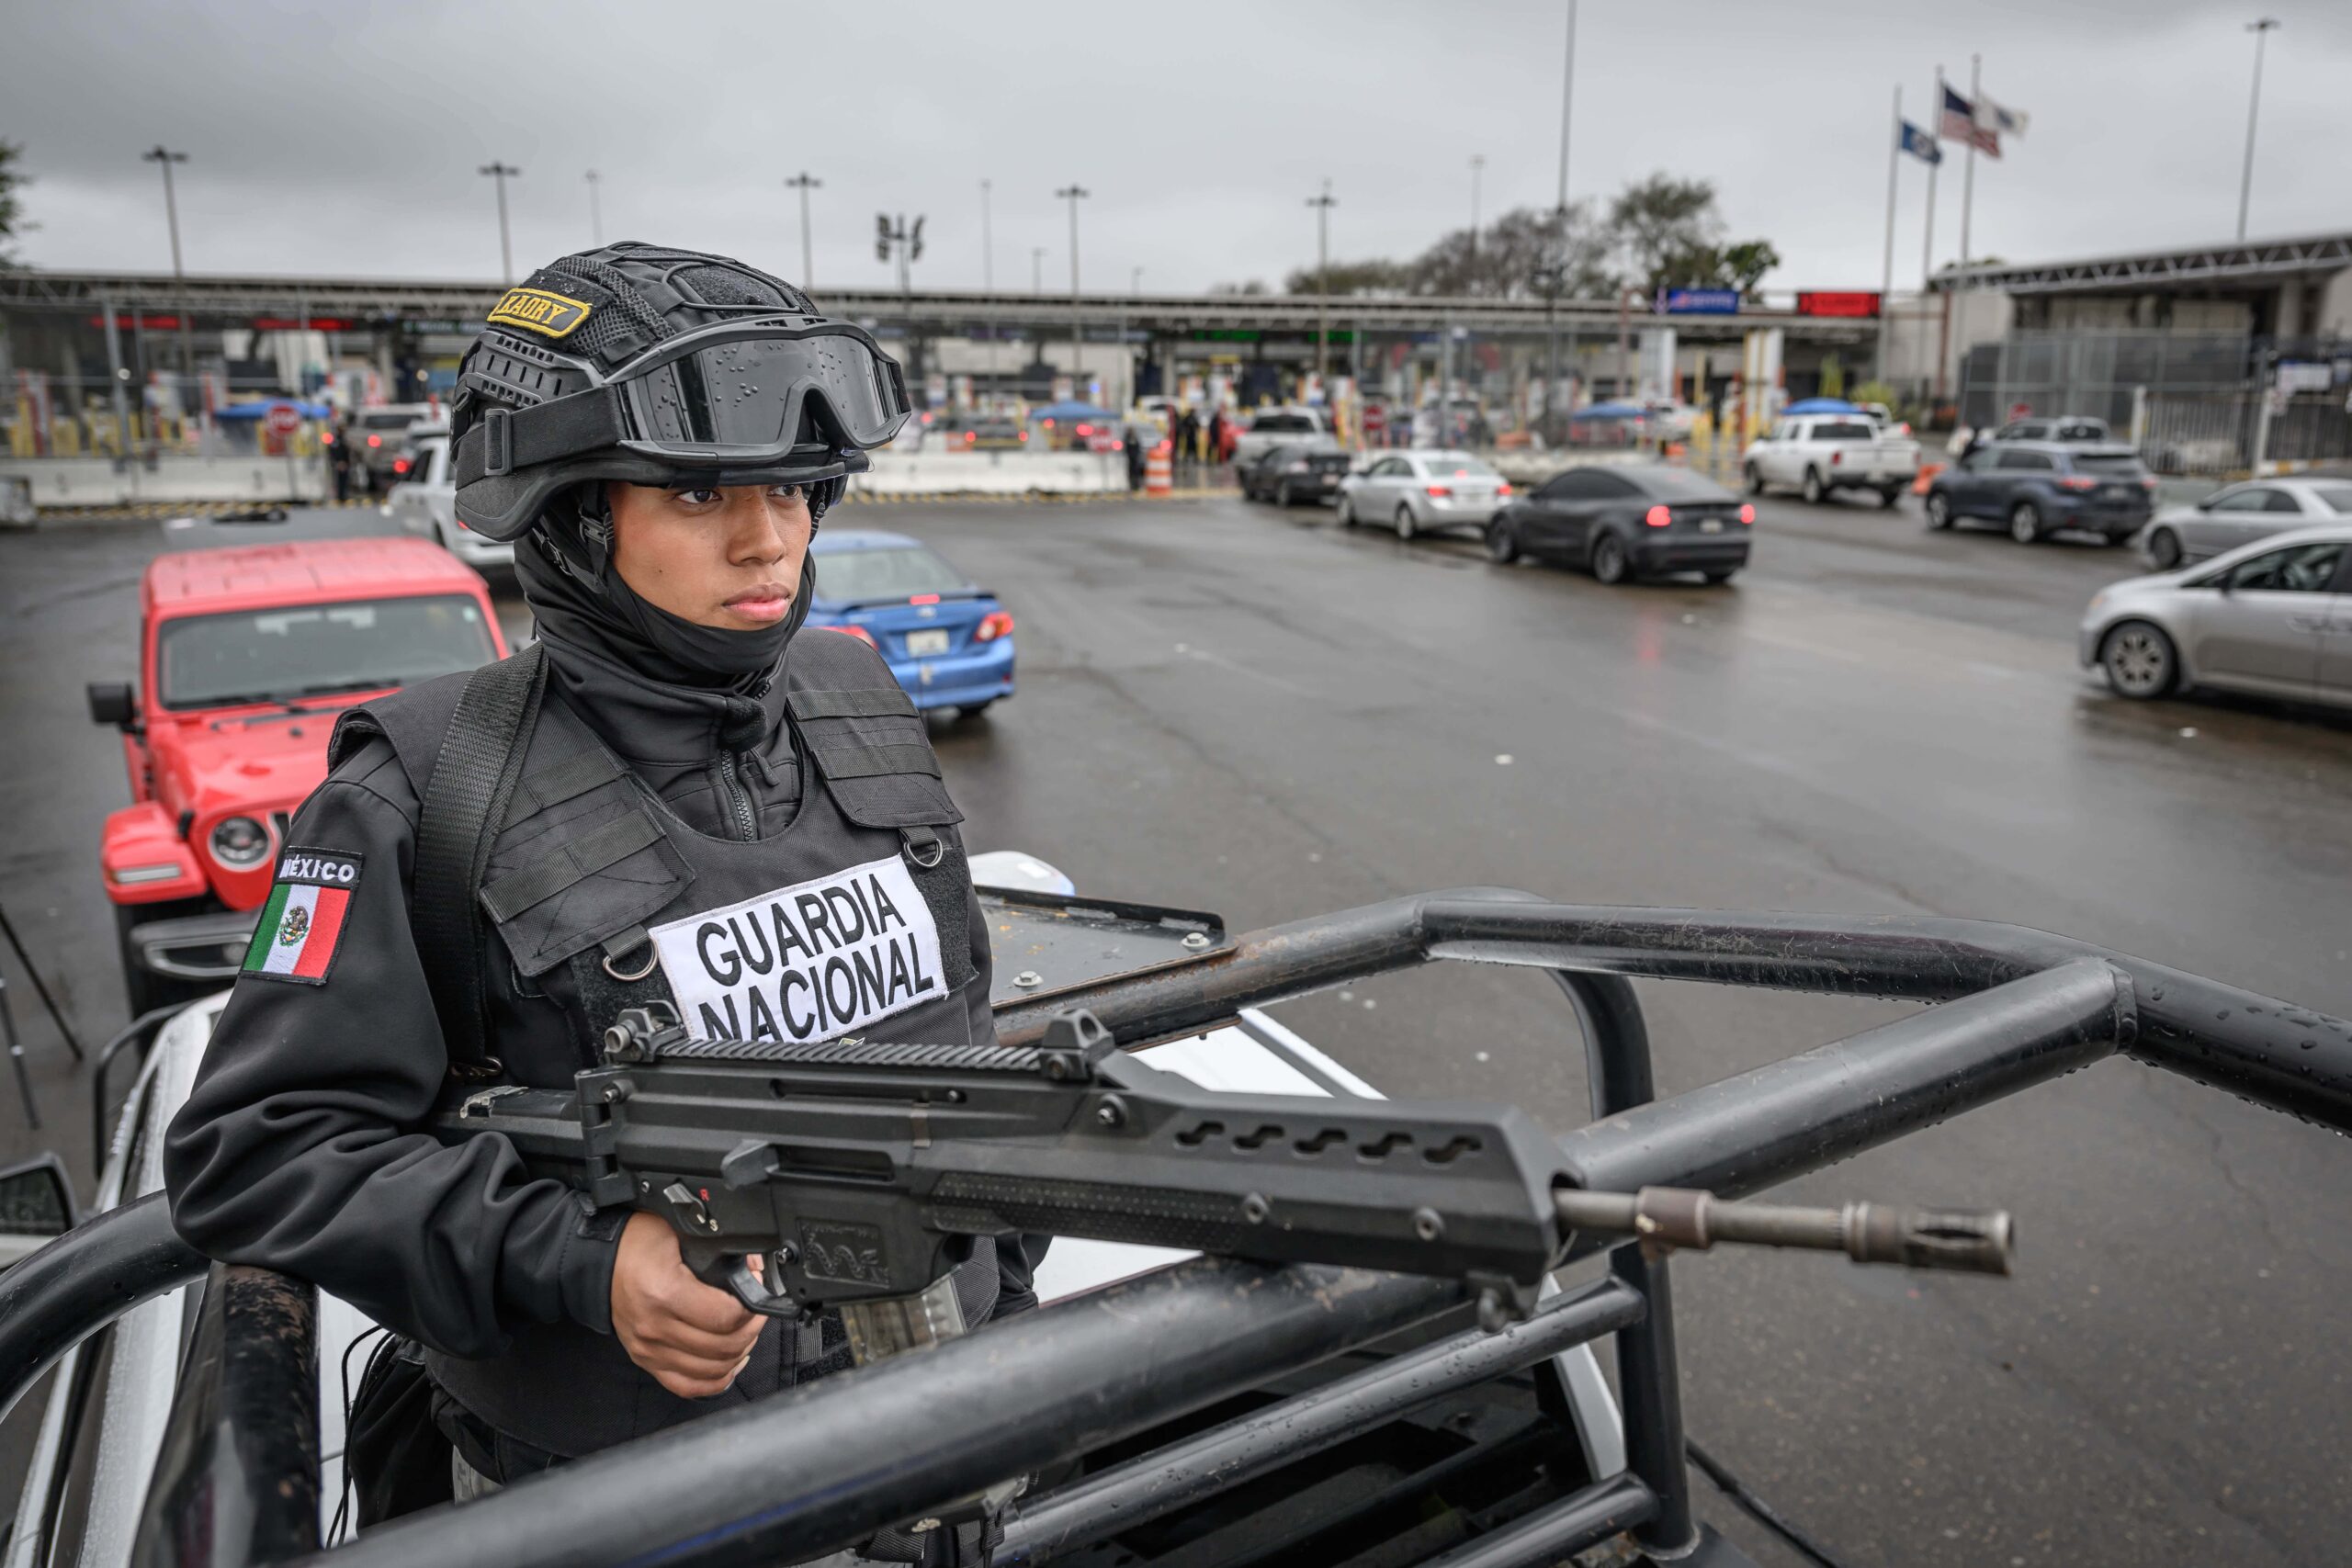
1159	471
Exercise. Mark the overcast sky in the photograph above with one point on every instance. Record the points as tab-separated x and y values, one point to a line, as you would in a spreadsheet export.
344	138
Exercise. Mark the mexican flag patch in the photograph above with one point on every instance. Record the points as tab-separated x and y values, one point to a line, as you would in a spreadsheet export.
298	929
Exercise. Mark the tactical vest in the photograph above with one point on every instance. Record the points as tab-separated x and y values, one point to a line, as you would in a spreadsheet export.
853	919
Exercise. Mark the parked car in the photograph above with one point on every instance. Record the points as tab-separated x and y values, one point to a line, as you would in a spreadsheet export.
2069	427
1416	491
247	656
986	434
2040	487
948	642
1295	471
2239	514
1820	454
2273	617
425	502
379	435
1637	520
1272	427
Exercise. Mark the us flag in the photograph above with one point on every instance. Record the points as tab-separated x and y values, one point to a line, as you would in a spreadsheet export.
1959	124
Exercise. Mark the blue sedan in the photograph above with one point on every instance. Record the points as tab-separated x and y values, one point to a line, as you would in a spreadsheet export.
949	643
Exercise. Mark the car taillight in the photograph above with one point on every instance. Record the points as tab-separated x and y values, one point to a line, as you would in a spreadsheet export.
1903	429
923	598
1657	517
1502	490
1837	459
2149	483
1747	515
326	437
861	634
1025	436
994	624
1086	430
971	436
1118	446
2078	481
1439	492
375	441
399	465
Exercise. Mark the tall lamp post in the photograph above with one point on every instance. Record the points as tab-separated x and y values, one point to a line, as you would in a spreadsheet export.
2261	32
803	181
1555	273
1075	193
1322	205
164	156
1477	168
595	213
987	244
501	173
1037	269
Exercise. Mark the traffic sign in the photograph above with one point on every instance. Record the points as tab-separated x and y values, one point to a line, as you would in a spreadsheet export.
284	419
1698	302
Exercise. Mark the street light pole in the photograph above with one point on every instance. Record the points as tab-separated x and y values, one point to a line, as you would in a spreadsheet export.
2261	32
596	214
500	172
1037	270
1322	205
1568	100
1075	193
1477	167
988	245
163	155
803	181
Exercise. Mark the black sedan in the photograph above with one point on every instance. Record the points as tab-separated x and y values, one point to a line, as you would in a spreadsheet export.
1301	470
1637	520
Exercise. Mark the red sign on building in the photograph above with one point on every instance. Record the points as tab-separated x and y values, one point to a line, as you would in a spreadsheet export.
1833	302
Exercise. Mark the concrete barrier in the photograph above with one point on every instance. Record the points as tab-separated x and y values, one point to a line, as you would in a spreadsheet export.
117	482
993	473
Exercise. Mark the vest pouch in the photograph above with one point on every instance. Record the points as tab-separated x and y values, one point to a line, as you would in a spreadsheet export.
874	753
604	869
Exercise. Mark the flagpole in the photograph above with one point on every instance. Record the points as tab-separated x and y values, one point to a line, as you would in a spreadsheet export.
1968	174
1943	339
1886	272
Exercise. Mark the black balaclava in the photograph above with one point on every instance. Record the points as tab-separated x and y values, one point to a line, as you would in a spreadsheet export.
565	567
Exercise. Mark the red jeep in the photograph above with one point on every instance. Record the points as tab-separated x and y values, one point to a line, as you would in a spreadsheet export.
247	655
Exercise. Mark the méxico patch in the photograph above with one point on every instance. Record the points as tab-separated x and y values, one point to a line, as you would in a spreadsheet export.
297	935
537	310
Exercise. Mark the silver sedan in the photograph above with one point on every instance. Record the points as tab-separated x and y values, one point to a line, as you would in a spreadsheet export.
1416	491
2239	514
2273	618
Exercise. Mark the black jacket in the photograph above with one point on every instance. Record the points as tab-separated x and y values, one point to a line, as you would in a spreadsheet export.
300	1147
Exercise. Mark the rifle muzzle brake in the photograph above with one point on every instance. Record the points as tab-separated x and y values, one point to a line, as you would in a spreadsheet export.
1974	1241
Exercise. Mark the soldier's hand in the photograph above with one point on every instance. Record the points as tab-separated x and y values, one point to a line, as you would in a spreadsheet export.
693	1339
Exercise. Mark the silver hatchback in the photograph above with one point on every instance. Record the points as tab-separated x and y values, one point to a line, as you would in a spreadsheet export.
2273	618
1419	491
2240	514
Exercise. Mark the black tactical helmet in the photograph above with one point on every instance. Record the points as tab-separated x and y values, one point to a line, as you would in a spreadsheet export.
648	365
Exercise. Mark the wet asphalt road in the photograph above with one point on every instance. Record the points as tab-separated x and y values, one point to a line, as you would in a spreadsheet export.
1231	707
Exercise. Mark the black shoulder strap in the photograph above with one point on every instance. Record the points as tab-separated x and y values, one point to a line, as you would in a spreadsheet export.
464	803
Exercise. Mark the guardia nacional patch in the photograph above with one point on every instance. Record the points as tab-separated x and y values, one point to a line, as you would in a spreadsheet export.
537	310
301	928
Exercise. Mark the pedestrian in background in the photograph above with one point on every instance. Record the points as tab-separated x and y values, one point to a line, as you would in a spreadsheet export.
339	458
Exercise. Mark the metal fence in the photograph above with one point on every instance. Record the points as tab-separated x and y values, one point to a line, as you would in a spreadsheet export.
2226	432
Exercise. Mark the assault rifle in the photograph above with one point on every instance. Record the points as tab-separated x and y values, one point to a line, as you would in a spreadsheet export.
855	1168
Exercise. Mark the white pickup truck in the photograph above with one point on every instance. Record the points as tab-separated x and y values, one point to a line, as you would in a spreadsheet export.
425	503
1821	453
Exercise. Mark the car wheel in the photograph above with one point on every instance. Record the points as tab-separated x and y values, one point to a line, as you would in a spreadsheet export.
1502	546
1815	493
1754	480
2025	522
1609	562
1405	527
1717	579
1282	497
1939	510
2163	549
1347	511
2140	662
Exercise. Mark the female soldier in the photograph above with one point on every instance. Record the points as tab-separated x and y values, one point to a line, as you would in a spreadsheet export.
499	862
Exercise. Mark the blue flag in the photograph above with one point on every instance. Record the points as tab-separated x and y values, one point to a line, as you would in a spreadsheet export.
1921	145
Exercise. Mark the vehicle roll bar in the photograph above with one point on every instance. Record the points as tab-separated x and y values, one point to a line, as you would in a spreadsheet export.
821	1468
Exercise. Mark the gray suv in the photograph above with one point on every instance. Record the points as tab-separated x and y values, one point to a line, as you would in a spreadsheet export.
2040	488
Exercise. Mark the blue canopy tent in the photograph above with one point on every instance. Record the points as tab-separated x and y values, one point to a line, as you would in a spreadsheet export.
261	410
1073	409
1607	411
1821	405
